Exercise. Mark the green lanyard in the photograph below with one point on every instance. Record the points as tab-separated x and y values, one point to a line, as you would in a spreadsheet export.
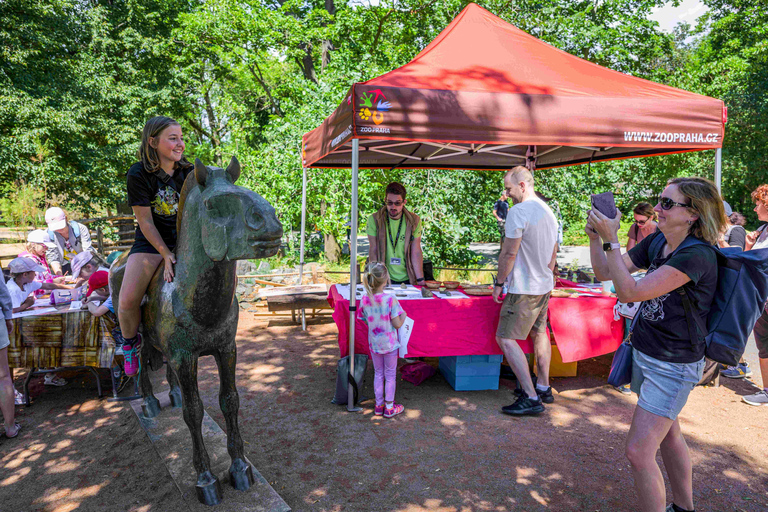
397	237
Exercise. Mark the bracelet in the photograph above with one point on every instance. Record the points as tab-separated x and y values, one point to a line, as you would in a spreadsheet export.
499	285
419	279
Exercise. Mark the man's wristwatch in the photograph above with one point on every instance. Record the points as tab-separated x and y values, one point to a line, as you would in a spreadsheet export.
498	285
420	279
611	246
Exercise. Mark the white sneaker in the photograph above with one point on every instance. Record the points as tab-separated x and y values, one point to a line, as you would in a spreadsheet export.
51	379
18	398
760	398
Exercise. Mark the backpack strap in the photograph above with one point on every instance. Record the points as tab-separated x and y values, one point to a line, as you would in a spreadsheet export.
75	228
693	321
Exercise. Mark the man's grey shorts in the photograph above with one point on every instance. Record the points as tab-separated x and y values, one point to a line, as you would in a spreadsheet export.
522	314
4	340
663	387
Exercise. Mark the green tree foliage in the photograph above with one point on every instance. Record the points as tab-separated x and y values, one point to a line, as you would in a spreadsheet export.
249	77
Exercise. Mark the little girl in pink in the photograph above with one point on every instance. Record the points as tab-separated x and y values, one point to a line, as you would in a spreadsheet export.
383	314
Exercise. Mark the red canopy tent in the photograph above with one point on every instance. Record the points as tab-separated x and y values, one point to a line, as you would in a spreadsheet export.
486	95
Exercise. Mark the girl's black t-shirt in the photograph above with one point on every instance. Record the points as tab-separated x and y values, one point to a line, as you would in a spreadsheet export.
661	330
149	189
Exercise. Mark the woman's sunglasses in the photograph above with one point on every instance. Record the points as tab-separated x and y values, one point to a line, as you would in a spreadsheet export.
667	203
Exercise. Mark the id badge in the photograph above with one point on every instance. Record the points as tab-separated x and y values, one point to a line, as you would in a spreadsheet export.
395	261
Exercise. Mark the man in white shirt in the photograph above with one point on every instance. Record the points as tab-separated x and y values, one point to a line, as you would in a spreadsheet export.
526	264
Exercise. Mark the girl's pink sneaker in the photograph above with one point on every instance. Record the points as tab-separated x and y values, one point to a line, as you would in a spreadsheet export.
378	410
394	411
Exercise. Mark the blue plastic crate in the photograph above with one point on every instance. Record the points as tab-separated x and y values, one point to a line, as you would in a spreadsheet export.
471	373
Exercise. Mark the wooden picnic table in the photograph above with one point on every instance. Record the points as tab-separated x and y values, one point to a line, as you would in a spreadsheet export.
62	340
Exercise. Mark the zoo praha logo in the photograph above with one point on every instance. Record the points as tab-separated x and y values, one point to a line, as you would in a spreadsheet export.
373	105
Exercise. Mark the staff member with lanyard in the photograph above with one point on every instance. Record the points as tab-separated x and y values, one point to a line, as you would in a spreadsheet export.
394	238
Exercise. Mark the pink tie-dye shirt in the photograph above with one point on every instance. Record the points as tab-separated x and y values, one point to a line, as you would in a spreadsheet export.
378	314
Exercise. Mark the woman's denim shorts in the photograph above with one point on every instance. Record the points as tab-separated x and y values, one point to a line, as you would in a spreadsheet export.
663	387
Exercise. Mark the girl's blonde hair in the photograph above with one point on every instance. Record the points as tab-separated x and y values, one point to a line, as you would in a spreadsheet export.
704	199
375	275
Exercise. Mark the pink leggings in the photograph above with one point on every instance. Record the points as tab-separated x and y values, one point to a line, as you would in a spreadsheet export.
384	368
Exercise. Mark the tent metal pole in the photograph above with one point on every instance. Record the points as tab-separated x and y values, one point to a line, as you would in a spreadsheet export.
303	233
351	406
719	169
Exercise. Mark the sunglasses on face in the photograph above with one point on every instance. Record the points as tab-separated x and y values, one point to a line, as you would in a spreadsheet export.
641	222
667	203
394	203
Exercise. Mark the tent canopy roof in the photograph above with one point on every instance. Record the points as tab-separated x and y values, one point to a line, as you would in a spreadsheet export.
486	95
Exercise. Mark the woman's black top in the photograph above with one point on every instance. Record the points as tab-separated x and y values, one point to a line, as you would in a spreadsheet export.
661	330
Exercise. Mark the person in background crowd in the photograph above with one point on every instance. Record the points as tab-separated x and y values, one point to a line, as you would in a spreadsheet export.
734	235
69	239
384	316
84	265
38	244
526	264
98	291
645	224
666	363
759	240
394	238
21	287
154	185
500	209
7	391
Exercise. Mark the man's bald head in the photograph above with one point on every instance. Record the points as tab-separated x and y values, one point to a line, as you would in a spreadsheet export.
518	183
520	173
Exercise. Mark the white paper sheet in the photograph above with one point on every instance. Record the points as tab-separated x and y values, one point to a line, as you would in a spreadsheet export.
76	304
404	334
34	312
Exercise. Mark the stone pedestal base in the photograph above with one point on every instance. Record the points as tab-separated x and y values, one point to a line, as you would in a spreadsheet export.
172	442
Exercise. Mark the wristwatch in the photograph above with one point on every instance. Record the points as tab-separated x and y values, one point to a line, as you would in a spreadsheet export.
499	285
608	246
420	279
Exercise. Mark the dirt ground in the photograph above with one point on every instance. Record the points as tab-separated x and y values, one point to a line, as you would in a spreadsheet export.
449	452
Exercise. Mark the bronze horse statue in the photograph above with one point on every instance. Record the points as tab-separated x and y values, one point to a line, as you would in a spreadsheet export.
196	314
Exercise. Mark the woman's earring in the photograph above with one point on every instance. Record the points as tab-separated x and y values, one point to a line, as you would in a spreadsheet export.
690	223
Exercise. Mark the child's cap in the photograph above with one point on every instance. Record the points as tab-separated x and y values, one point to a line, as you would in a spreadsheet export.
79	261
40	236
21	265
98	280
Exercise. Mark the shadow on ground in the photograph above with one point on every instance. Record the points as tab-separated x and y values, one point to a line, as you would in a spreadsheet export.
449	452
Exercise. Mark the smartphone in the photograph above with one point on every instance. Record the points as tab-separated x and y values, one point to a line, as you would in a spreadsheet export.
605	204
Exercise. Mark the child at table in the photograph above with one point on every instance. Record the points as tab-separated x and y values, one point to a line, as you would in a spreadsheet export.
98	291
22	283
383	314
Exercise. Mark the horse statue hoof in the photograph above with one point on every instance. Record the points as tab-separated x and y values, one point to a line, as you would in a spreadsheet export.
208	489
151	407
175	396
241	475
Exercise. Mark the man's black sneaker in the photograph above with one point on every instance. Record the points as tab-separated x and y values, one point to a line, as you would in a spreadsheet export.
544	396
524	406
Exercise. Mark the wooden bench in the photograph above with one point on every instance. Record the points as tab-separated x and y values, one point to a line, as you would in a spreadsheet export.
296	298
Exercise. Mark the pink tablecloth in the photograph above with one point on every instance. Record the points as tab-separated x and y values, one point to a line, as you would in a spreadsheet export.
583	327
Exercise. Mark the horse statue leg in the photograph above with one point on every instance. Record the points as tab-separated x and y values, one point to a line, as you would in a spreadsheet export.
208	487
173	382
151	405
240	472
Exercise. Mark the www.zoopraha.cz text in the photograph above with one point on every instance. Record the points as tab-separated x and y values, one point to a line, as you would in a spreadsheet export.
671	137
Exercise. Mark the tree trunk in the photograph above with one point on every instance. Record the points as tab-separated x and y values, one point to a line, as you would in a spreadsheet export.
330	246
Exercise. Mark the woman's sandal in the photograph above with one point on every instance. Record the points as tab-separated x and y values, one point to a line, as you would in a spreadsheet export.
18	429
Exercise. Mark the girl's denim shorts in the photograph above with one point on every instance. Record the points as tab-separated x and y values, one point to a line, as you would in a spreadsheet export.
663	387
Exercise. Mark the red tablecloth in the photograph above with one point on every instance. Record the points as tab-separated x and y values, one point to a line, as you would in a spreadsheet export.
583	327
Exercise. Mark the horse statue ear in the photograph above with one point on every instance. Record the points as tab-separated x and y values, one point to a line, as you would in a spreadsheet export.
233	169
201	172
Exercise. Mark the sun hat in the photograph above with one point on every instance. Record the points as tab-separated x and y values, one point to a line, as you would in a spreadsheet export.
21	265
40	236
98	280
79	261
55	218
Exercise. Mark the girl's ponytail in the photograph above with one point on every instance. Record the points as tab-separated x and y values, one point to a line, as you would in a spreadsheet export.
375	274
